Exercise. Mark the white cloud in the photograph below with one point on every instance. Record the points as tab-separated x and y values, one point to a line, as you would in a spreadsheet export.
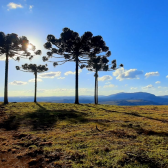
126	85
85	90
72	73
50	74
105	77
33	80
157	82
65	90
147	87
152	74
30	7
107	83
61	78
41	90
12	5
69	73
3	58
167	76
110	85
18	83
133	88
32	91
127	74
162	87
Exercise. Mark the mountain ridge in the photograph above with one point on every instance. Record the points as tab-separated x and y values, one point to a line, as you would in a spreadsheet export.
122	98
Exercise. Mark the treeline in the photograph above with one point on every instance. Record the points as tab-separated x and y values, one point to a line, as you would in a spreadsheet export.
87	51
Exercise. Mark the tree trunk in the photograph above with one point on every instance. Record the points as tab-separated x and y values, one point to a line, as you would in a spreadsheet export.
35	91
6	80
76	83
97	89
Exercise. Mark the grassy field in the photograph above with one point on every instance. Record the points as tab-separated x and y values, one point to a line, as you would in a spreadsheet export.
86	135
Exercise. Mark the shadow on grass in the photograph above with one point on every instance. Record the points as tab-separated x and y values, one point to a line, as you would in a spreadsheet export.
10	123
138	115
41	107
2	104
131	113
42	118
142	159
96	107
150	132
140	130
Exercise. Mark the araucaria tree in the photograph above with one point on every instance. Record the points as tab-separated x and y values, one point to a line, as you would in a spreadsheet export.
96	64
100	63
14	47
34	69
73	47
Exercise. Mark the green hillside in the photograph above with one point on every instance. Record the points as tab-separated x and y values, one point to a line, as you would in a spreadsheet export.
85	135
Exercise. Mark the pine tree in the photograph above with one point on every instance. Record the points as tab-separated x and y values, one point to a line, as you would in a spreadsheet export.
34	69
14	47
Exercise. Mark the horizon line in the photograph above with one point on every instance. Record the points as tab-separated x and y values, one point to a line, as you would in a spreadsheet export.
84	95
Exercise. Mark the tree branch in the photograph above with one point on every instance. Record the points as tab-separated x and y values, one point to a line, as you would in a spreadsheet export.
25	71
13	58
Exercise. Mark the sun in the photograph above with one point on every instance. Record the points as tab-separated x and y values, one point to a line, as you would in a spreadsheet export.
30	47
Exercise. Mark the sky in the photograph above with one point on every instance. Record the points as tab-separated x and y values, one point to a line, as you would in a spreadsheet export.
136	33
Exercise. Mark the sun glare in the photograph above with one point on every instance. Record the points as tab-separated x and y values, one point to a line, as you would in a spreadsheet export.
29	47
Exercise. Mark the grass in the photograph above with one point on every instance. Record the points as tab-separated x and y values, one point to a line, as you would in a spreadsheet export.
84	135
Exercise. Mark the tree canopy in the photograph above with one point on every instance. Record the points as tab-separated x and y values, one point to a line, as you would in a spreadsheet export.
34	69
14	47
73	47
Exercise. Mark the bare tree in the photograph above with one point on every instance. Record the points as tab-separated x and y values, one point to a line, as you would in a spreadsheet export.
34	69
72	47
14	47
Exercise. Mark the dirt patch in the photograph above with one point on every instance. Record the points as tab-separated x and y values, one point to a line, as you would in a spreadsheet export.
18	152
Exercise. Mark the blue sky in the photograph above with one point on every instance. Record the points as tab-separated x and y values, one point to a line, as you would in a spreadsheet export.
135	31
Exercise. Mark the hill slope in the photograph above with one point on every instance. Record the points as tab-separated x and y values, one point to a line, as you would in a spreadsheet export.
136	96
85	135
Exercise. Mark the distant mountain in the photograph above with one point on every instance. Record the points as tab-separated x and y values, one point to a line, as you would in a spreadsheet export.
136	95
130	102
165	96
53	99
137	98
